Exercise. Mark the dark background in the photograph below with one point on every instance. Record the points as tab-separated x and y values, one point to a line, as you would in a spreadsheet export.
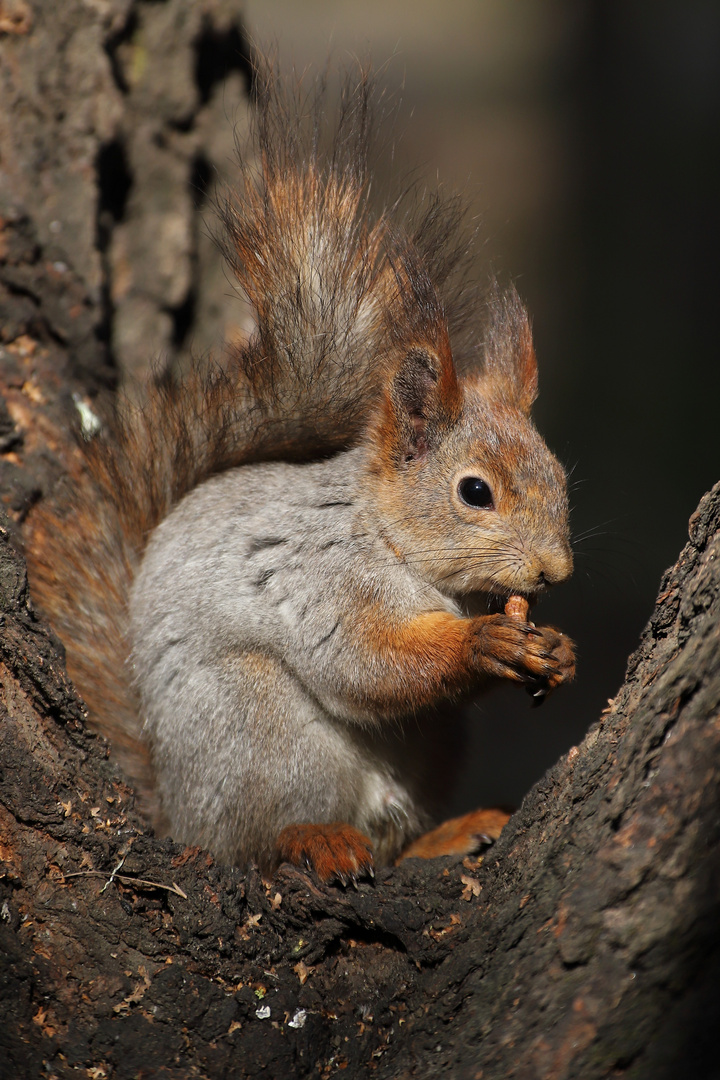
586	133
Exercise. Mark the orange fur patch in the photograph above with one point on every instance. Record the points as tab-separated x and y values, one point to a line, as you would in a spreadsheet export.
458	836
416	662
336	851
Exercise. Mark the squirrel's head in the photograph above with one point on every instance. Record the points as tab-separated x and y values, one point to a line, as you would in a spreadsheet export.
470	495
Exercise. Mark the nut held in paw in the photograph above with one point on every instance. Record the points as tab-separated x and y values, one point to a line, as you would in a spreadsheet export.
517	607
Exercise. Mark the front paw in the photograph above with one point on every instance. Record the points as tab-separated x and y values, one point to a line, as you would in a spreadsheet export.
539	656
562	650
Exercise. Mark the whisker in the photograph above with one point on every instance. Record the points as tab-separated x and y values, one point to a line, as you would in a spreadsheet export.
595	527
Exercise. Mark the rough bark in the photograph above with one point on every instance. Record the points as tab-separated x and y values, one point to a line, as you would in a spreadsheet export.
118	119
584	945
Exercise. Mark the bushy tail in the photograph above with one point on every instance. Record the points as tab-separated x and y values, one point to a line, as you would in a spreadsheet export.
330	286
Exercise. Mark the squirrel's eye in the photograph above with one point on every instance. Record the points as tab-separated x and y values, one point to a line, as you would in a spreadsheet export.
475	492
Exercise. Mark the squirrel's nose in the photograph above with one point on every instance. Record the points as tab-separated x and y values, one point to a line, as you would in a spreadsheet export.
556	566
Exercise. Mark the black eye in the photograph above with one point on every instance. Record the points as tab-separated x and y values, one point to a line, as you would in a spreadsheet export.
475	492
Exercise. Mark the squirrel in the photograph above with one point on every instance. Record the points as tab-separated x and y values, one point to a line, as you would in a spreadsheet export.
275	574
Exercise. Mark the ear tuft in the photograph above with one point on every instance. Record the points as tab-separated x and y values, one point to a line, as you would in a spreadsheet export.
422	395
413	388
510	361
425	400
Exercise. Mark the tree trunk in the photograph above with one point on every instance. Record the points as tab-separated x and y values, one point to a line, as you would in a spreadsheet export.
585	944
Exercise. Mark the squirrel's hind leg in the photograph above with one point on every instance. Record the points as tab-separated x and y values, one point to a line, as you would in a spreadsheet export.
458	836
336	852
339	852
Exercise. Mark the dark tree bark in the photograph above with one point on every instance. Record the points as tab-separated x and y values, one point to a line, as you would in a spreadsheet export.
584	945
118	119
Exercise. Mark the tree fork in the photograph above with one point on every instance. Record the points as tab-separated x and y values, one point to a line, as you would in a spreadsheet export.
584	945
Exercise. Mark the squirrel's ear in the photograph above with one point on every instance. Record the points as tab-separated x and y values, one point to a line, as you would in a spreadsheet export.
424	399
510	362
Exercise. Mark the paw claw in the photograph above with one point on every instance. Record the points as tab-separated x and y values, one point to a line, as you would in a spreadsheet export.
510	649
336	852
